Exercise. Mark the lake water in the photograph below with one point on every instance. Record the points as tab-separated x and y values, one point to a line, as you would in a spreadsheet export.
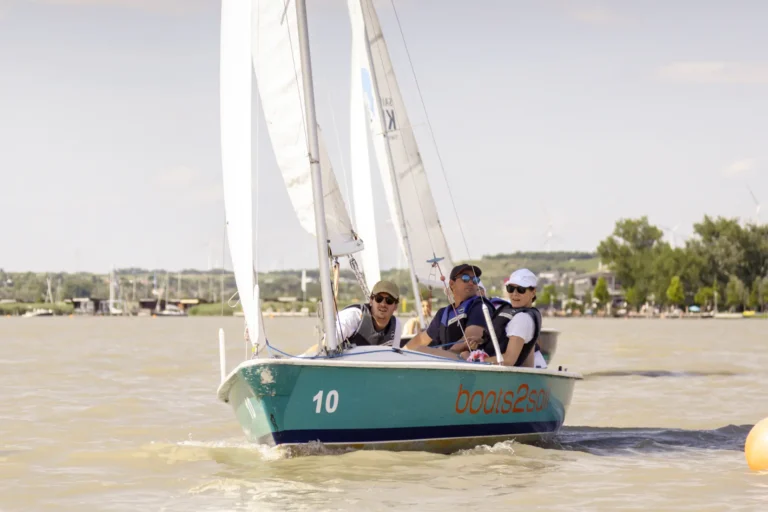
121	414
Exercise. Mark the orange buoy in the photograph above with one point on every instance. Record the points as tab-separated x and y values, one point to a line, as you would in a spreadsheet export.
756	447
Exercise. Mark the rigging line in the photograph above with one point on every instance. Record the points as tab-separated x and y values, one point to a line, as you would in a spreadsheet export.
271	348
379	53
431	132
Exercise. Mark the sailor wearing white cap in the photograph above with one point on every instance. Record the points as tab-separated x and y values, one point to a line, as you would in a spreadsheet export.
517	333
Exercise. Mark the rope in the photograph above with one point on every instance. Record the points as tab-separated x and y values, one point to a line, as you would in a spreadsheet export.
431	132
384	134
271	348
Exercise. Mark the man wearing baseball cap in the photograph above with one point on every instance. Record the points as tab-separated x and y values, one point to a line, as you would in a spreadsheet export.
460	326
373	323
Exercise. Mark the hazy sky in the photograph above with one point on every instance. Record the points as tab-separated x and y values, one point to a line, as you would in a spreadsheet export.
581	111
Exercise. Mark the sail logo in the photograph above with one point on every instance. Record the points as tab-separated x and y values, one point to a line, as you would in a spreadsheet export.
391	125
489	402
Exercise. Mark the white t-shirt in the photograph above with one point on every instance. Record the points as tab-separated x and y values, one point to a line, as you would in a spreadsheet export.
523	327
350	320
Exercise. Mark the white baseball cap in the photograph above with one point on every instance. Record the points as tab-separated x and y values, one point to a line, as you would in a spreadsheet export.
523	277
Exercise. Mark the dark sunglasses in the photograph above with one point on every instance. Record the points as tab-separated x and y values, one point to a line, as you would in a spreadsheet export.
380	298
466	278
520	289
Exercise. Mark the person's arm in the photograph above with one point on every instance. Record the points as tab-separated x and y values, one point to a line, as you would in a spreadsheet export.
422	339
514	347
348	323
473	332
473	335
420	342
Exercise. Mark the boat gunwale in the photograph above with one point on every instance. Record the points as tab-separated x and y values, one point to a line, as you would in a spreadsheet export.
223	390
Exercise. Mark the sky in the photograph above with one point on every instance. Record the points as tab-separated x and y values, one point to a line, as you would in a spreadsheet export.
556	115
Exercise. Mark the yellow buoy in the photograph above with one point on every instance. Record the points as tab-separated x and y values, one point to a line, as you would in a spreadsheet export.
756	447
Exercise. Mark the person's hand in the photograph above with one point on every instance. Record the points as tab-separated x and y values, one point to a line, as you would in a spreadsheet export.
472	342
469	344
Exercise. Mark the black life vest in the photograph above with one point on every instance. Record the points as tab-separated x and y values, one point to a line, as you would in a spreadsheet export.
501	317
366	333
452	327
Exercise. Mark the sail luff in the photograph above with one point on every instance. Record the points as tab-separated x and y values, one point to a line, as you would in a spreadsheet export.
393	126
360	168
398	213
235	111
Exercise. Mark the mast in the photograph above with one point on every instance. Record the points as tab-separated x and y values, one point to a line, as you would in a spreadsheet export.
395	188
329	313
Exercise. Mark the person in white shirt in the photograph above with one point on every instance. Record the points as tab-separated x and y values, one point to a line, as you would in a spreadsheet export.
373	323
517	323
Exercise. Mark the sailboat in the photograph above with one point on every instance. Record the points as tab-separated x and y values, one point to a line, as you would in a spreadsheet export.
376	103
360	397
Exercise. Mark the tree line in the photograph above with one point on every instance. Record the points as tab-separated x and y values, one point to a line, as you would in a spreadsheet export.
723	263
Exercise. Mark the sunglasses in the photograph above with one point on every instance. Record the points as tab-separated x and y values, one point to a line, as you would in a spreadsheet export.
520	289
467	278
380	298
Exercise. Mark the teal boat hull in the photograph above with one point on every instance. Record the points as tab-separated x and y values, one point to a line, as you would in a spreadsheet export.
438	405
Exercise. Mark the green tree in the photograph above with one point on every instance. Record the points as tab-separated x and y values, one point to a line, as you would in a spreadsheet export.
763	296
587	299
633	298
728	249
704	296
754	295
77	285
675	293
571	292
601	292
630	252
548	295
735	292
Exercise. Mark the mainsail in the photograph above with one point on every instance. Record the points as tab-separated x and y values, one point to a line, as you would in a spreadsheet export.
396	146
235	105
276	60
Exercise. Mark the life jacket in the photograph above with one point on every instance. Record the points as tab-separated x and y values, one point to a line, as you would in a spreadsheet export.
452	324
501	317
367	334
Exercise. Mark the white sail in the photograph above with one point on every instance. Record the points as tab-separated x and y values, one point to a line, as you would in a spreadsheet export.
276	58
235	105
362	192
399	149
